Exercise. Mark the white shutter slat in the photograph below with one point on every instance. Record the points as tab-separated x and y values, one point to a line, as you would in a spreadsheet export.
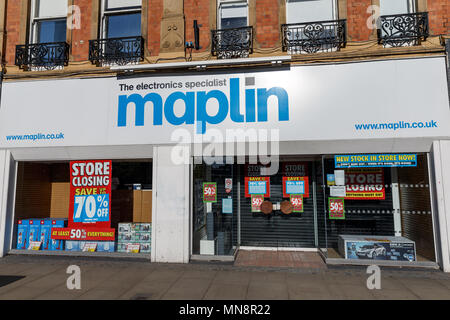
299	11
51	8
116	4
388	7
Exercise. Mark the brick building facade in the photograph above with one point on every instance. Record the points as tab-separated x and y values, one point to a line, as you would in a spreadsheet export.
266	18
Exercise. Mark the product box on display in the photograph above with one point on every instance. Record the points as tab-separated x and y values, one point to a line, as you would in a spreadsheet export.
22	234
377	248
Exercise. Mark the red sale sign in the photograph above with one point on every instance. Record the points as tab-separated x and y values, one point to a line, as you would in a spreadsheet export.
295	185
90	234
336	208
257	186
90	202
365	184
209	192
297	202
257	201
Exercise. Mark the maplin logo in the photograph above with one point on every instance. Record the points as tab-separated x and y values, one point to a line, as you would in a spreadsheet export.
195	106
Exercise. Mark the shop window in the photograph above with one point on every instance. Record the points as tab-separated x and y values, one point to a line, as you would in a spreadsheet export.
312	26
47	46
120	40
43	205
379	213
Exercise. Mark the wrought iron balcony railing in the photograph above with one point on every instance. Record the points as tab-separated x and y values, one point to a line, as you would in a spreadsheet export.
46	56
232	43
403	29
116	51
312	37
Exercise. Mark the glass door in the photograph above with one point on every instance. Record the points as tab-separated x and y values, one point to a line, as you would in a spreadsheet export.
216	205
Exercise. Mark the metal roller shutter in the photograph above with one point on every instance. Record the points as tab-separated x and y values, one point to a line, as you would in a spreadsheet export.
415	207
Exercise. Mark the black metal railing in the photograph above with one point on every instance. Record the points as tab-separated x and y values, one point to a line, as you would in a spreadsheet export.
403	29
116	51
232	43
312	37
46	56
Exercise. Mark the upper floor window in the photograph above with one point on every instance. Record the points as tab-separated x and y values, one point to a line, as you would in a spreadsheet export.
120	40
234	38
48	21
400	24
233	14
121	18
312	26
46	48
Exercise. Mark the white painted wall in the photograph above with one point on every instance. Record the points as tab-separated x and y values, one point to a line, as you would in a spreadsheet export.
7	194
171	214
441	163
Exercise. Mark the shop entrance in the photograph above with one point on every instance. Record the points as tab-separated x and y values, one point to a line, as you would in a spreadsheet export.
256	207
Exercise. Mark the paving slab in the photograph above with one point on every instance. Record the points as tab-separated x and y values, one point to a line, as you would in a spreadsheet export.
188	289
226	292
267	291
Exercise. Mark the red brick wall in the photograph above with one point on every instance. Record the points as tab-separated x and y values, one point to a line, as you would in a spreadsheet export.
197	10
13	21
155	13
357	20
267	23
80	51
438	13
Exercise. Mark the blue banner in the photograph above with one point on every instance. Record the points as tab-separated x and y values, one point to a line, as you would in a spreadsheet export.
375	160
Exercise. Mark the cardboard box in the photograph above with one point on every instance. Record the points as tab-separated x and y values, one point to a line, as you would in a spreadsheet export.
207	247
137	205
122	247
135	227
146	211
22	234
44	233
143	237
377	248
146	227
126	237
72	245
34	226
57	245
146	248
105	246
124	227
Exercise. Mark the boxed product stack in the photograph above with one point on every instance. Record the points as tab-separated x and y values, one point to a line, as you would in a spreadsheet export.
39	230
134	237
90	246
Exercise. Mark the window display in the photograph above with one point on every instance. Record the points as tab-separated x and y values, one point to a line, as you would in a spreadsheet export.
383	211
84	206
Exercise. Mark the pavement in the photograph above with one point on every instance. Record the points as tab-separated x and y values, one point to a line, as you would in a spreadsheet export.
45	278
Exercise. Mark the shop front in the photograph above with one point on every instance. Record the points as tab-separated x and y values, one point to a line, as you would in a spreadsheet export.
338	159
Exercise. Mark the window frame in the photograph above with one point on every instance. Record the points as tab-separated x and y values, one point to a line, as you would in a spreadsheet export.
35	19
222	3
105	13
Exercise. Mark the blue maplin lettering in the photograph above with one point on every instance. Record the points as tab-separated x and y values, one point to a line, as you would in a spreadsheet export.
197	112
